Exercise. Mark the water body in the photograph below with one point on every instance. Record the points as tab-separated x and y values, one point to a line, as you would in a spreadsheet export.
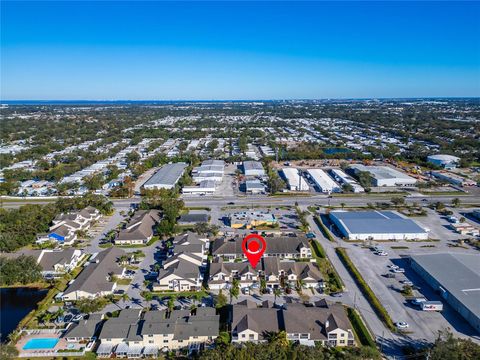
331	151
15	304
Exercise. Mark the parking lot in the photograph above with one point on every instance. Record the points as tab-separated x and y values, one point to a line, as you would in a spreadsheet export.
423	325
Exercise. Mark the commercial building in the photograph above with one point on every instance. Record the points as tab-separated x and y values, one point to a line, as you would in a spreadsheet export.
167	177
205	187
453	178
376	225
294	179
323	182
445	161
385	176
192	219
457	278
346	179
253	168
209	170
254	187
324	322
249	219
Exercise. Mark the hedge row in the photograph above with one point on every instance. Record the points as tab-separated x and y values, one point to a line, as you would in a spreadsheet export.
326	266
366	290
318	249
323	228
360	329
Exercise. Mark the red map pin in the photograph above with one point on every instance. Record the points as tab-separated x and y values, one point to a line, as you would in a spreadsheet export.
253	247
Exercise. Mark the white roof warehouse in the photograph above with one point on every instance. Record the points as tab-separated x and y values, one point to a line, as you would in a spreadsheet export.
376	225
167	177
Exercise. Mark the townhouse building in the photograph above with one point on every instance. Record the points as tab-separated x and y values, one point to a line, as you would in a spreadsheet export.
284	247
65	226
140	229
324	323
184	269
275	272
133	334
98	277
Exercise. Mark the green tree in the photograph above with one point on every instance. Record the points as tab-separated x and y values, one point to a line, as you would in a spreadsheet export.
170	304
220	300
276	293
234	289
456	202
398	201
223	339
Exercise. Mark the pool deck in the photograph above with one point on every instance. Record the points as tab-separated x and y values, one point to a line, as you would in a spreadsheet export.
62	344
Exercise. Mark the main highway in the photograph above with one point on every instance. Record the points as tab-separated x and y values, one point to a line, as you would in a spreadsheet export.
280	200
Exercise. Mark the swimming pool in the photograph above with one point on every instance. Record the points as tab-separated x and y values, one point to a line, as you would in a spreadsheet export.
40	343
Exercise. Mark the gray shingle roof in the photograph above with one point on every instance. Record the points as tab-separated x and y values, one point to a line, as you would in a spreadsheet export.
94	277
294	318
193	218
275	245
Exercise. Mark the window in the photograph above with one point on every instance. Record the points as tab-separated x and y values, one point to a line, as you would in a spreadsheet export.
251	336
151	341
303	336
180	341
165	341
195	337
243	336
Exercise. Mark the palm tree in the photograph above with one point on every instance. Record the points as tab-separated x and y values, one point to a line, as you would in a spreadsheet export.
170	305
263	285
125	297
300	285
278	338
342	205
234	290
456	202
197	297
276	293
148	296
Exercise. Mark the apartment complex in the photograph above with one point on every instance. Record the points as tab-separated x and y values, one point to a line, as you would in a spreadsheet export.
323	323
140	228
275	272
283	247
133	334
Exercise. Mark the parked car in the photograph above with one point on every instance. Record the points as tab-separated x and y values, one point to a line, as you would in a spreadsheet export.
393	267
407	282
337	294
381	253
399	270
401	325
418	301
389	275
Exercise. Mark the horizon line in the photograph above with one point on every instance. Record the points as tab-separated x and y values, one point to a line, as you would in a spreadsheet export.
4	102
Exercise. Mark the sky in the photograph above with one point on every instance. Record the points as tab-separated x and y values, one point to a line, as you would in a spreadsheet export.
155	50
